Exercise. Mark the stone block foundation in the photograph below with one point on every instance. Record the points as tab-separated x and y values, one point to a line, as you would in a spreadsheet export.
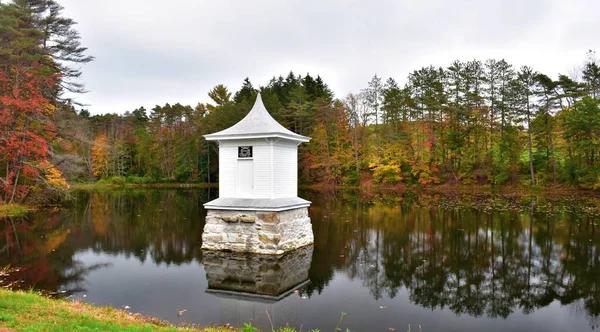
270	233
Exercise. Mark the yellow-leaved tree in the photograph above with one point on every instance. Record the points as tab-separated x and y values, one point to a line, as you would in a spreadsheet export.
100	156
53	177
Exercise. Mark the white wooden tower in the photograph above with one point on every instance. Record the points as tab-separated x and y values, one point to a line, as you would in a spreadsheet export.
258	164
258	172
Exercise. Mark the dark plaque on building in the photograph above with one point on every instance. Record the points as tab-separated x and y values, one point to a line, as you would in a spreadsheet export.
244	152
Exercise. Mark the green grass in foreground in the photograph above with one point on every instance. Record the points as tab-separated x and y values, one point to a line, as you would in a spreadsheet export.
13	210
26	311
22	311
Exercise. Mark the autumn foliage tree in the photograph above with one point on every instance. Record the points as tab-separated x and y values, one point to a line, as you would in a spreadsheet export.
31	77
24	128
473	122
100	155
24	107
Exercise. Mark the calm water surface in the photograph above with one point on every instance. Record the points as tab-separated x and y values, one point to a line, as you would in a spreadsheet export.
386	265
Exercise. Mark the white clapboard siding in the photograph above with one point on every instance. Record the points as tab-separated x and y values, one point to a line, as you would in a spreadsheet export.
227	171
285	165
294	175
270	177
262	171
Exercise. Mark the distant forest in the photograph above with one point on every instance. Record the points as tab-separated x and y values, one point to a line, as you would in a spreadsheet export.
474	122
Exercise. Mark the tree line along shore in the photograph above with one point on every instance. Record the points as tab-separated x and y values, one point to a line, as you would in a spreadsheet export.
477	122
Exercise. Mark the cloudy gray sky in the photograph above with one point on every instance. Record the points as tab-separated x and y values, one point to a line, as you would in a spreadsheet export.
151	52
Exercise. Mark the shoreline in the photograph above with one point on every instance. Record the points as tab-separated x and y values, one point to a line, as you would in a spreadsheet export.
14	210
459	188
368	190
166	185
26	310
400	188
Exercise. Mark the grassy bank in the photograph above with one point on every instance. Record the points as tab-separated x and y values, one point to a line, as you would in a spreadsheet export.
20	311
26	311
13	210
135	182
521	189
104	185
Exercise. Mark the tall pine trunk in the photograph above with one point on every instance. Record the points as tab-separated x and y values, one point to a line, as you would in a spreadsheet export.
551	141
529	145
531	171
356	148
377	130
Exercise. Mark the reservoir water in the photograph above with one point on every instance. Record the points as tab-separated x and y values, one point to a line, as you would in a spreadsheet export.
383	261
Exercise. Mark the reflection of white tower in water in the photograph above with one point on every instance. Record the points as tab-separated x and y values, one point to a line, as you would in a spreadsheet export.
248	286
237	310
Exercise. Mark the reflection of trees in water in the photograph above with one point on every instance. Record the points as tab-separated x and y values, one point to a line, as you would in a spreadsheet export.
36	246
163	225
475	263
72	278
471	262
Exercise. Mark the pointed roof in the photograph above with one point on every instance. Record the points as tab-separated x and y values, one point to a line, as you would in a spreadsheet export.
258	123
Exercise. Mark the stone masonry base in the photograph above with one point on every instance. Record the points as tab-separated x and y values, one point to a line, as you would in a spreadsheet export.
271	233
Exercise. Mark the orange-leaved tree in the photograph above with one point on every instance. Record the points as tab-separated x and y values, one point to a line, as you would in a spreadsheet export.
100	156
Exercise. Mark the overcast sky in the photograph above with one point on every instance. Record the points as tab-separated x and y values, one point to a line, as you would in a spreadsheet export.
151	52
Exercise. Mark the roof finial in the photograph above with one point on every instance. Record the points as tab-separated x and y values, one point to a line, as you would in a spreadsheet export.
258	101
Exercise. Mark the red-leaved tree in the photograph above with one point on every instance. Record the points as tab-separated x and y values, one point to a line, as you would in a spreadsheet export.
27	81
